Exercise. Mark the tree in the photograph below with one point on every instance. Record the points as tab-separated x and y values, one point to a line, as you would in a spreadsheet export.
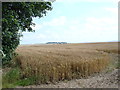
16	17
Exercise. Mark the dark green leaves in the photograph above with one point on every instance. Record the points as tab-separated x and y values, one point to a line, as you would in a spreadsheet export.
17	16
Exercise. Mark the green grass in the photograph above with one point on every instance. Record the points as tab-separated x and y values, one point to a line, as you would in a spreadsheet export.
10	77
13	78
26	81
118	66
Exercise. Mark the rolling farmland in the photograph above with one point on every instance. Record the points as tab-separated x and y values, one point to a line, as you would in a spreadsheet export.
53	63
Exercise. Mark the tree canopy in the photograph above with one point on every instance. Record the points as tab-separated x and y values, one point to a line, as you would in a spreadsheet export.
16	17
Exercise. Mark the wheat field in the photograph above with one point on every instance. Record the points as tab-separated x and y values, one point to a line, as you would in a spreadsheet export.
51	63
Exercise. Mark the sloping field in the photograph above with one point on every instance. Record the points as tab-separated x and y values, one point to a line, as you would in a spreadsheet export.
51	63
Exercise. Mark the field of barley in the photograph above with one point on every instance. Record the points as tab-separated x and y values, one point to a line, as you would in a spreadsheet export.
57	62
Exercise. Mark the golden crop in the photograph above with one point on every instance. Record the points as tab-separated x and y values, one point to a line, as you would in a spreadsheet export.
51	63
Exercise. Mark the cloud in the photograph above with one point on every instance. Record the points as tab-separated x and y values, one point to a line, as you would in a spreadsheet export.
71	1
76	29
112	10
93	29
100	23
102	28
41	36
59	21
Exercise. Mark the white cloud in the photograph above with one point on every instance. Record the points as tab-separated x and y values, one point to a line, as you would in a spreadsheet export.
100	23
104	20
59	21
102	28
113	1
92	30
112	10
41	36
75	30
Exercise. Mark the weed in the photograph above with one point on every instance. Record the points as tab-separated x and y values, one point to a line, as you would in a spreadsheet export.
10	78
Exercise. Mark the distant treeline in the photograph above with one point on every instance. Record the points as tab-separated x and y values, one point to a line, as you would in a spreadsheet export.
56	43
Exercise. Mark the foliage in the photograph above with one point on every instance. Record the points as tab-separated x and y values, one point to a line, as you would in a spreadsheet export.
10	77
16	18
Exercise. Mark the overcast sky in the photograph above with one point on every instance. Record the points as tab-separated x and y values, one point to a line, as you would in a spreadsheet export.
76	22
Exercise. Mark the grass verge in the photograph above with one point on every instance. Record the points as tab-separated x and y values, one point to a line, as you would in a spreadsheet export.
13	78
